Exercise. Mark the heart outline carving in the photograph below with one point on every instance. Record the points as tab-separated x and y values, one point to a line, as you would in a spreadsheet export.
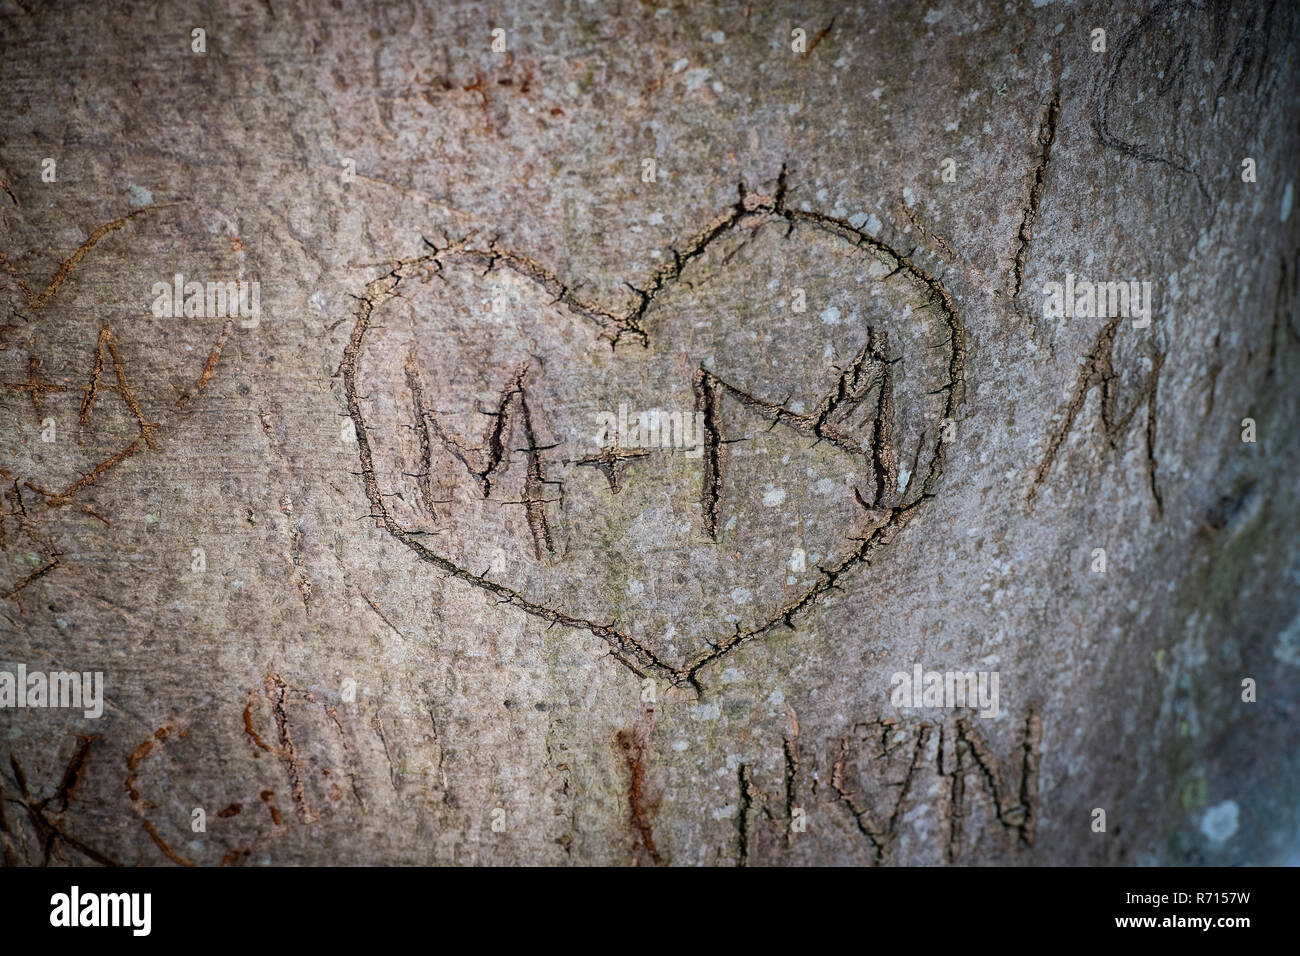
617	327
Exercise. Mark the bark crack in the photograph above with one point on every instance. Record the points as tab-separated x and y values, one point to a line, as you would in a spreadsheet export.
1038	184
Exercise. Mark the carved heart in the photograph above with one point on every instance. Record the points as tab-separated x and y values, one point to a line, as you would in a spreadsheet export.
494	408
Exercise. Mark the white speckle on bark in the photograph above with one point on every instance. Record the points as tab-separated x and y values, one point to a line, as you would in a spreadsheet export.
1220	821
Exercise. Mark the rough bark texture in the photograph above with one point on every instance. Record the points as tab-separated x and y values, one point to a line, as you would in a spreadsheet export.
571	649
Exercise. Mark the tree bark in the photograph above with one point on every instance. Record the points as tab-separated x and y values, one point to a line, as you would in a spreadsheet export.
635	403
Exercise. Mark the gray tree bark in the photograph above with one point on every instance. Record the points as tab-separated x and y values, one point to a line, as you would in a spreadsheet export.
392	572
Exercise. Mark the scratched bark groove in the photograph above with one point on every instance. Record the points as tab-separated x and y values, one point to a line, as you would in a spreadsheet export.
396	481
